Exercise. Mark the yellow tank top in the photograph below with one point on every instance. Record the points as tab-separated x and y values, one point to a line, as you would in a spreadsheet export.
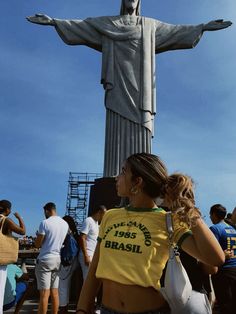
134	245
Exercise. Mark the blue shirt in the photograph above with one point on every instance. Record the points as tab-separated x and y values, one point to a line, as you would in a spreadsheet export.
13	272
226	236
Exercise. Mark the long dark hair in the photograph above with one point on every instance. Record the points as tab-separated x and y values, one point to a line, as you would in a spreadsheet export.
72	224
152	170
4	205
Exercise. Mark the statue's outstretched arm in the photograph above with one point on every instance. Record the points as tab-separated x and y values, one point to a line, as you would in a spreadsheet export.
216	25
41	19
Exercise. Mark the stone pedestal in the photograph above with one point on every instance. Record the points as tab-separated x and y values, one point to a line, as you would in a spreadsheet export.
103	192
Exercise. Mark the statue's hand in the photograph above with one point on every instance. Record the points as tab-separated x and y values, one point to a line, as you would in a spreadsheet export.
216	25
41	19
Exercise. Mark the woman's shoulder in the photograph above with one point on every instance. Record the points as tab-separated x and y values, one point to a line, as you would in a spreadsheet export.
6	227
114	211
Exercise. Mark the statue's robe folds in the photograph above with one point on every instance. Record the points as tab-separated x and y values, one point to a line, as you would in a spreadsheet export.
128	45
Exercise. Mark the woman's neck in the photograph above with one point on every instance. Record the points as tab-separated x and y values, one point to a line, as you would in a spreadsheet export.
141	201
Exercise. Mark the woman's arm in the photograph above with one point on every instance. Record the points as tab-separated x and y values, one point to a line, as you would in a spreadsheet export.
90	287
208	269
203	245
13	227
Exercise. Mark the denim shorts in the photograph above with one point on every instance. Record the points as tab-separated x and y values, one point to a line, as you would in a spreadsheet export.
105	310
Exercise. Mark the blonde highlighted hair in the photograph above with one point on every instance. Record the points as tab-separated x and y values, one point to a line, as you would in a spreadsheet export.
179	197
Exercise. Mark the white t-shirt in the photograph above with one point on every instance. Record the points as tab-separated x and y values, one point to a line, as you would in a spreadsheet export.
90	228
54	230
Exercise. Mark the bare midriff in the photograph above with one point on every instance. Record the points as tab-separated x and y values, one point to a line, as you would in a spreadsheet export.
130	298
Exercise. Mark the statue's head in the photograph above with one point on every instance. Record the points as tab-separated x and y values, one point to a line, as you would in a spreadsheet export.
127	5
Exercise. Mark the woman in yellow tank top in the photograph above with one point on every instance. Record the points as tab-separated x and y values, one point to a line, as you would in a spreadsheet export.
132	246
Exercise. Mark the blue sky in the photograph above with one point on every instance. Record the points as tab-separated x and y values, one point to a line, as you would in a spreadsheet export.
53	116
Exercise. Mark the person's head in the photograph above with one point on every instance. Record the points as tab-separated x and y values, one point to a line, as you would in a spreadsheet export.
233	217
217	213
130	7
142	172
71	224
49	209
5	207
98	212
228	219
146	175
229	216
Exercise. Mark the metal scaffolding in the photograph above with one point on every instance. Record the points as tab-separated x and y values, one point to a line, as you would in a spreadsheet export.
78	195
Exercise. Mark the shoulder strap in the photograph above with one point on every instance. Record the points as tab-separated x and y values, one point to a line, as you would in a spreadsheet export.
169	224
2	221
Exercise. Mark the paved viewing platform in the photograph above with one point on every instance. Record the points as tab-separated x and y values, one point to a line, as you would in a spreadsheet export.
31	306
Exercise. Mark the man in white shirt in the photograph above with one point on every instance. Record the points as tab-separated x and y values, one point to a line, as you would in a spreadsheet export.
88	238
50	237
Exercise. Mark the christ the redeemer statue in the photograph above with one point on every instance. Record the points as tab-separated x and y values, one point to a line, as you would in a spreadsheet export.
128	43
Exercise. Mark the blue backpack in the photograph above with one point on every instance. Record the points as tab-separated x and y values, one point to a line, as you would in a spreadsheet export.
69	250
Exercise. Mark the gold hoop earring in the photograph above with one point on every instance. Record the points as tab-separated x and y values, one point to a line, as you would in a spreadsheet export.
134	190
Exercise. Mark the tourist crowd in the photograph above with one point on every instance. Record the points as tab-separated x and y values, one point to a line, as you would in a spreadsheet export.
122	252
